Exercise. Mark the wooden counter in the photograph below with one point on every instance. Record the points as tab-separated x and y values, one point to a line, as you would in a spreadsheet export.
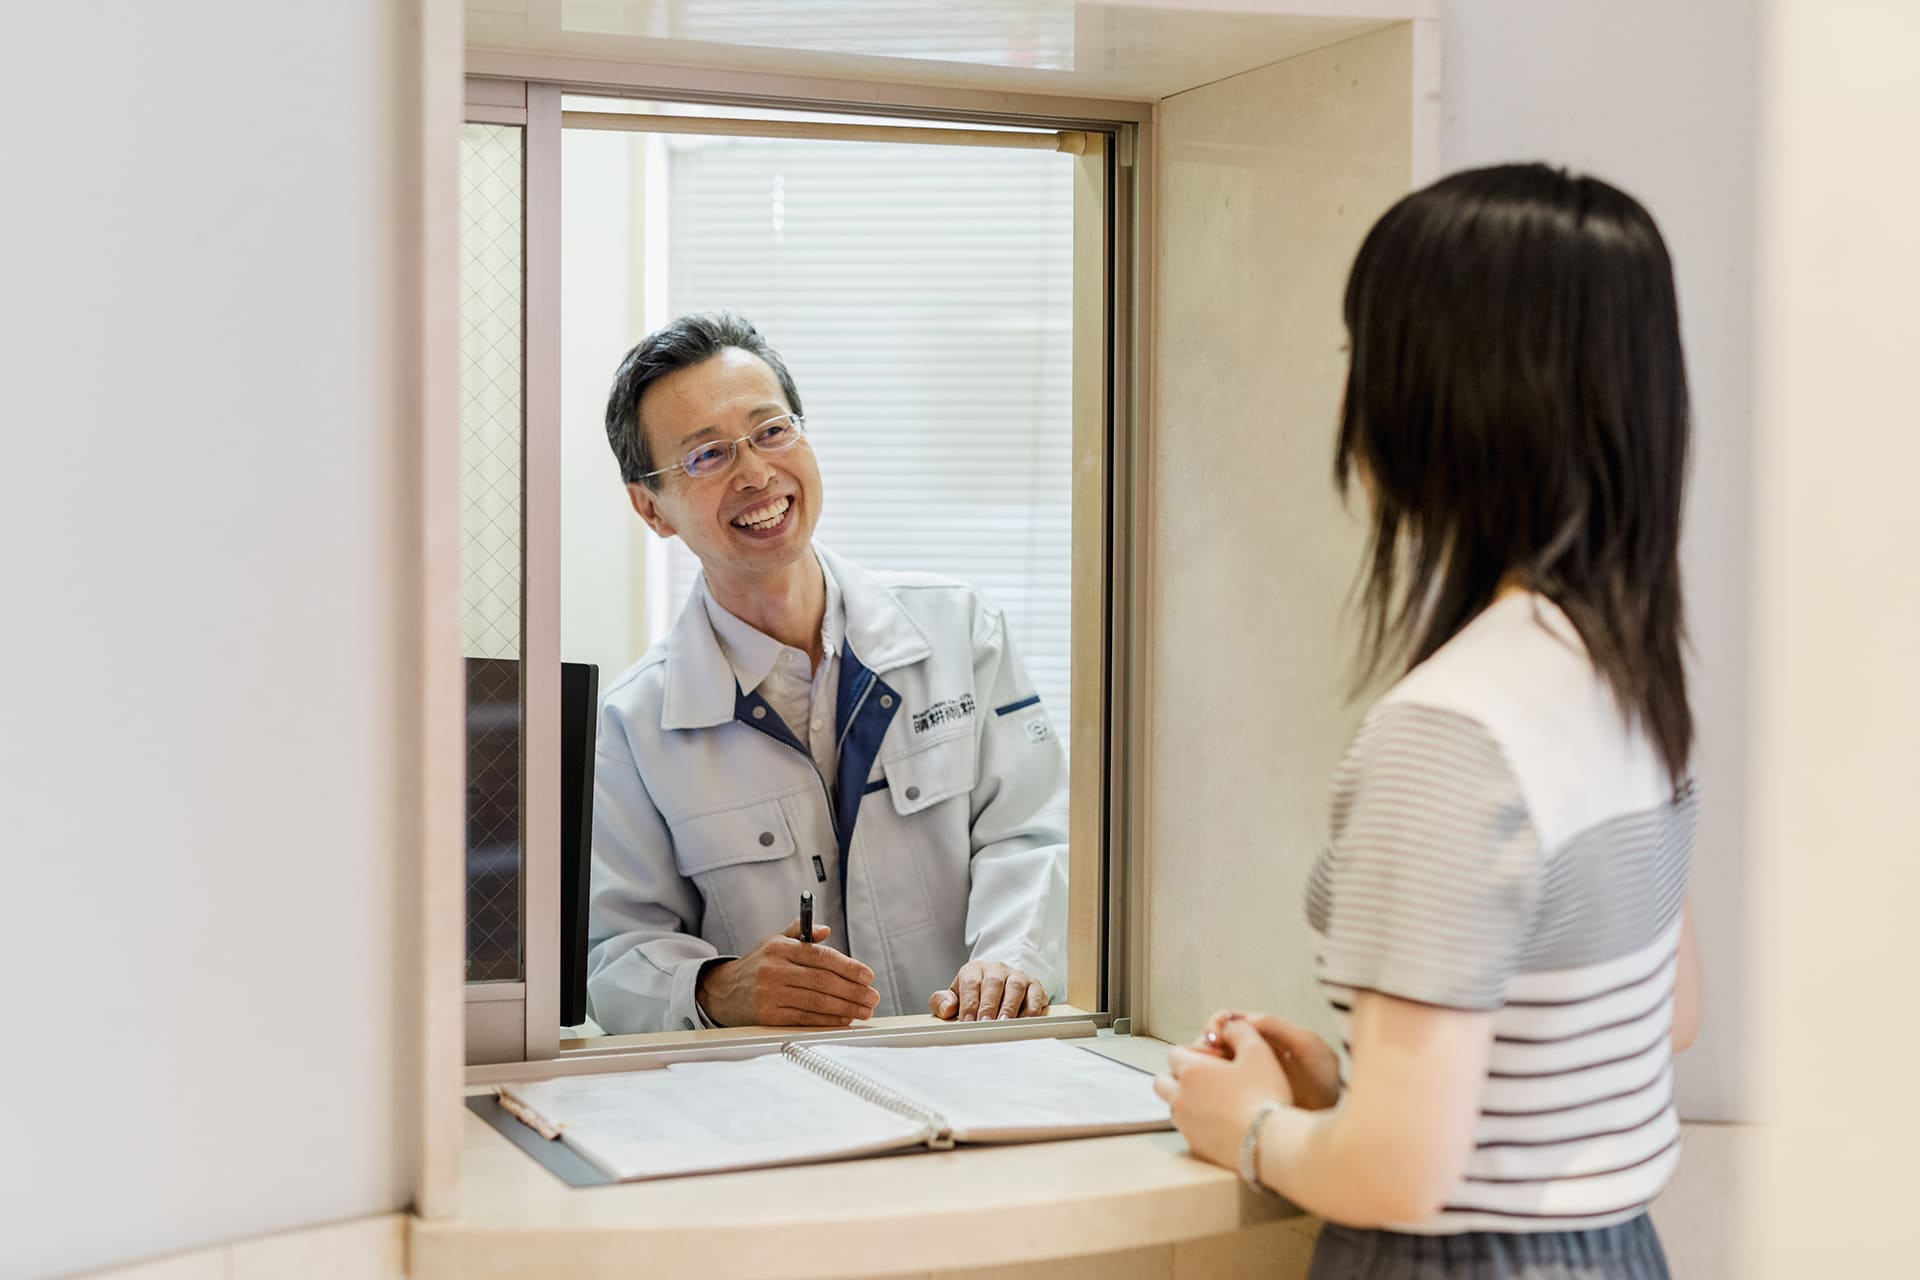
918	1212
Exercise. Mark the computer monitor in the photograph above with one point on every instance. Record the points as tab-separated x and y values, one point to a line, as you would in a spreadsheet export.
579	709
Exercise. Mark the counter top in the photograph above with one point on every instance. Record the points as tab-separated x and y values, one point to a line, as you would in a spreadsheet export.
919	1211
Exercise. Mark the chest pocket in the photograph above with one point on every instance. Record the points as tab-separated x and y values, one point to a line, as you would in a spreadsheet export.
752	833
936	772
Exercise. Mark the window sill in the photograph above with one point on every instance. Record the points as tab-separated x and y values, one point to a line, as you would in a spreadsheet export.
632	1052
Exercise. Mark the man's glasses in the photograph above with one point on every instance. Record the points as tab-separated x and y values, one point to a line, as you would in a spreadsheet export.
775	435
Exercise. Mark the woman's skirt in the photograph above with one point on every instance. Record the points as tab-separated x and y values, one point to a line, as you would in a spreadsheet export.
1626	1251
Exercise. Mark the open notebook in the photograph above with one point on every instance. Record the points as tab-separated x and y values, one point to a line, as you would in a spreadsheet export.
825	1102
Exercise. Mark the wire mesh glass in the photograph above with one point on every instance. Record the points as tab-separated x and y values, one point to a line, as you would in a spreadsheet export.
491	421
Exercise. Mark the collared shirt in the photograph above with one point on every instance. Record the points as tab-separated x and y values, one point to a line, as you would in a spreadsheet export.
803	695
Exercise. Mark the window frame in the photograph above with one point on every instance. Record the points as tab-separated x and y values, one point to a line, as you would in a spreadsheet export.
519	1021
513	1034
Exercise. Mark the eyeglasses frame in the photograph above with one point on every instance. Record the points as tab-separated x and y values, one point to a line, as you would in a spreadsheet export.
799	422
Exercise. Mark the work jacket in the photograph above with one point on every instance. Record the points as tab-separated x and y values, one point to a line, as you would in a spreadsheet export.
942	840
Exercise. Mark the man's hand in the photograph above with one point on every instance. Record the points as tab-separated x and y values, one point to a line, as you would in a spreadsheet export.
986	989
784	982
1312	1067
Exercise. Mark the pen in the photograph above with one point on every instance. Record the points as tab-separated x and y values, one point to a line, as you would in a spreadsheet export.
806	916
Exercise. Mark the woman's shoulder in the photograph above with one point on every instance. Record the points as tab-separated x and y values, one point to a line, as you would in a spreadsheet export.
1520	647
1519	674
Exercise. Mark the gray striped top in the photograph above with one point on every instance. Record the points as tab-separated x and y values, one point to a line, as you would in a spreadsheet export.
1502	840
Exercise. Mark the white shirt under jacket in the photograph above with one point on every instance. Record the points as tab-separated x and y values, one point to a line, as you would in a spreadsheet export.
939	838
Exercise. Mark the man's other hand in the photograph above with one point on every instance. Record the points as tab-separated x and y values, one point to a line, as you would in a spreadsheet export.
784	982
986	989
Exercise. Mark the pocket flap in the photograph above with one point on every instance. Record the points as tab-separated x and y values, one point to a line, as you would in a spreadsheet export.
752	833
934	773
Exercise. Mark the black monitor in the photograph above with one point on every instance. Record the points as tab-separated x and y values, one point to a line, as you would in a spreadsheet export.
579	708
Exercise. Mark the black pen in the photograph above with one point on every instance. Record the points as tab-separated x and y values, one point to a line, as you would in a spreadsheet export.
806	916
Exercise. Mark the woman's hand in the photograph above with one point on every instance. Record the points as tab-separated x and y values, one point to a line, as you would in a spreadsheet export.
1312	1067
1213	1096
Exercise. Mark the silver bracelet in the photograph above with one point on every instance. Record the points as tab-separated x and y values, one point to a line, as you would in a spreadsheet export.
1250	1146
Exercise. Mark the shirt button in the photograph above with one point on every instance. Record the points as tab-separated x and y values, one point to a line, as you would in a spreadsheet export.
759	713
885	701
766	839
818	725
913	793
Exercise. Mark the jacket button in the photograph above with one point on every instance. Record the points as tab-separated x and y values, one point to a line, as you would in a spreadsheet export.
759	713
913	793
766	838
886	700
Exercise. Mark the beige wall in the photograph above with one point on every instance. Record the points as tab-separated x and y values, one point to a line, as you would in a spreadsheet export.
363	1249
1239	790
1269	181
211	585
1837	655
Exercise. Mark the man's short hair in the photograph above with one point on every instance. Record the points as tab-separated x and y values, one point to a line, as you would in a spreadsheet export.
686	342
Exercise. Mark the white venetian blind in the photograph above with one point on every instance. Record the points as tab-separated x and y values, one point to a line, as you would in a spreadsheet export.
922	299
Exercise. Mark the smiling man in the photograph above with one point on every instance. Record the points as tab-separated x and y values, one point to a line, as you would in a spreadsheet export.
807	726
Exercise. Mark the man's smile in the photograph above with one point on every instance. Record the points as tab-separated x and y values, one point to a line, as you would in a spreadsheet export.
764	517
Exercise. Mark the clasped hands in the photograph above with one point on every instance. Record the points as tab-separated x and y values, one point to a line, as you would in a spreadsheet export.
784	982
1215	1084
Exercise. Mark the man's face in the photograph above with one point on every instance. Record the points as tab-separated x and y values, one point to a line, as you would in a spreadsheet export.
724	518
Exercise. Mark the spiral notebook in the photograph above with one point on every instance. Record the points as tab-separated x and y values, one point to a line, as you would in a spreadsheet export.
810	1103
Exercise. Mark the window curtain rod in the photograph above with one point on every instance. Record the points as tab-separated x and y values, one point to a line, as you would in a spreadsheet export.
1071	142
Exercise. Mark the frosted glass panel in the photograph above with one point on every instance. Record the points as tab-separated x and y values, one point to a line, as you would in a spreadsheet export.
490	387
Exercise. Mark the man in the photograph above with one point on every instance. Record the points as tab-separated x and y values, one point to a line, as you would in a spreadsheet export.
810	726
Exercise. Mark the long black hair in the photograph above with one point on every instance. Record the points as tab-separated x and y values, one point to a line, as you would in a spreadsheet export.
1517	406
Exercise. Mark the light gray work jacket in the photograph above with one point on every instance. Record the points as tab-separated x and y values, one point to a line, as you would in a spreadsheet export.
943	839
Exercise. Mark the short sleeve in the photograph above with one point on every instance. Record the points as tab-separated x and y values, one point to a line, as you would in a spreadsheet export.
1431	881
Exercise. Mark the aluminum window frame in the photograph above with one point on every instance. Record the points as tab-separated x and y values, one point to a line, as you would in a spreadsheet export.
520	1029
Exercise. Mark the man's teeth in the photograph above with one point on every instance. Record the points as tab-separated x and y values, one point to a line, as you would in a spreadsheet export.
765	517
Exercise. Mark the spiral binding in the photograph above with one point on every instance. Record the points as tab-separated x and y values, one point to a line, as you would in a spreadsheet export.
868	1089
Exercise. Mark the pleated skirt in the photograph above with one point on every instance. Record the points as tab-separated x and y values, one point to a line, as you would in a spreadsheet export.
1626	1251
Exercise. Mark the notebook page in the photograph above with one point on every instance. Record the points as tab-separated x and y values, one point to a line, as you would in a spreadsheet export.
1014	1091
704	1117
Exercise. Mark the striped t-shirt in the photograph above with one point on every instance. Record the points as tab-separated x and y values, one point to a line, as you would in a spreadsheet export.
1501	840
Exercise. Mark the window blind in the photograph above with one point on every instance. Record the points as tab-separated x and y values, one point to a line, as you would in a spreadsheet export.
922	299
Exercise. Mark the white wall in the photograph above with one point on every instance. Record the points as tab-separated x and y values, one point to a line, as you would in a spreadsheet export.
1659	98
206	595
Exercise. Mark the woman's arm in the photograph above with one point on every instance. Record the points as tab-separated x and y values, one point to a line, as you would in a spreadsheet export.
1392	1150
1404	1134
1687	998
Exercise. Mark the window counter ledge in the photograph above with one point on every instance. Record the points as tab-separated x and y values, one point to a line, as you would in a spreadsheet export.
918	1212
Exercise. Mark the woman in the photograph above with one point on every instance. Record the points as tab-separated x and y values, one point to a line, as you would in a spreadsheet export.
1499	915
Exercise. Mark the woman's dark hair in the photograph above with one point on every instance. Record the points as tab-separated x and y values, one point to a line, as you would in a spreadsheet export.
690	340
1517	404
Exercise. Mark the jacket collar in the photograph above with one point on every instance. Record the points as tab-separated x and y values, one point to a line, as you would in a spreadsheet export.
753	653
700	685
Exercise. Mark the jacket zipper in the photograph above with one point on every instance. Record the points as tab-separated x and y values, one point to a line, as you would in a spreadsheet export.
826	792
833	809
